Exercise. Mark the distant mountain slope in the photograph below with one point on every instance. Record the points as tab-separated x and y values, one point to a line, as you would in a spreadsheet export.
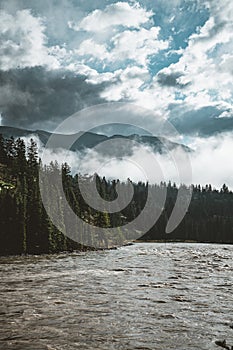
90	140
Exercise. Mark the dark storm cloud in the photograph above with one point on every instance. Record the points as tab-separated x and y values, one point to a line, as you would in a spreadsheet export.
170	80
203	122
34	96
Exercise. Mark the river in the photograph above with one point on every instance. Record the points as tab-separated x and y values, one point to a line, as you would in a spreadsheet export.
145	296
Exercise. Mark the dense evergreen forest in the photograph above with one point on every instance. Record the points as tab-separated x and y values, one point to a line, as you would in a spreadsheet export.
26	229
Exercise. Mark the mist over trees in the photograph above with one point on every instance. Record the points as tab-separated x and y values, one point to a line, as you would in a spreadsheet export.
25	227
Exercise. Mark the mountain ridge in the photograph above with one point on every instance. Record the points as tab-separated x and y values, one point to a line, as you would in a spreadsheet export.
89	140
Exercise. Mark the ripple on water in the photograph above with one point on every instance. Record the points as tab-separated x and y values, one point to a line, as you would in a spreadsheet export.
146	296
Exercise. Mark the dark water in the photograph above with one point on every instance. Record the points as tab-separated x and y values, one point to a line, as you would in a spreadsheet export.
146	296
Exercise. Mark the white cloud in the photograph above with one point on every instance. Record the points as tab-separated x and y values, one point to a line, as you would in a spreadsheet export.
139	90
111	49
60	54
92	75
227	114
198	64
134	45
205	64
23	42
118	14
90	48
203	69
211	154
128	83
222	10
116	44
137	45
226	64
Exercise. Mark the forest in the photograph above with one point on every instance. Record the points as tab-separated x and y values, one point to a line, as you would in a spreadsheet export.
25	227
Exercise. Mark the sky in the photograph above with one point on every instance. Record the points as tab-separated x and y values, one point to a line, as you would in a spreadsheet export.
174	57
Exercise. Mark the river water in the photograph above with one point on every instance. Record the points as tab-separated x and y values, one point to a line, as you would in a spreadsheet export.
145	296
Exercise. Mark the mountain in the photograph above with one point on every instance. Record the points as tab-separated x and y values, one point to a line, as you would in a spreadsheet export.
89	140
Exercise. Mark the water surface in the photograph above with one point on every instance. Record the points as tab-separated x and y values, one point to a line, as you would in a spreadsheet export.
146	296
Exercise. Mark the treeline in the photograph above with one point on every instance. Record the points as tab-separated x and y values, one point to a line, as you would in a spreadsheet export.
25	227
209	218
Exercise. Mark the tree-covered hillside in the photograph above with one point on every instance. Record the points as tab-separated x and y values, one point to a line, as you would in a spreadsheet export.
26	228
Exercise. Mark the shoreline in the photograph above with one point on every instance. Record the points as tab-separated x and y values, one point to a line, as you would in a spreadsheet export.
89	249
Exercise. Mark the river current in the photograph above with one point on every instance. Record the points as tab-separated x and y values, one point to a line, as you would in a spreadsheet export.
145	296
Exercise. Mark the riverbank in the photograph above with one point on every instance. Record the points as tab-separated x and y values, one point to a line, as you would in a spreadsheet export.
180	241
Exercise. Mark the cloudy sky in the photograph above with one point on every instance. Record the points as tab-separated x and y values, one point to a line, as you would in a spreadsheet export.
171	56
